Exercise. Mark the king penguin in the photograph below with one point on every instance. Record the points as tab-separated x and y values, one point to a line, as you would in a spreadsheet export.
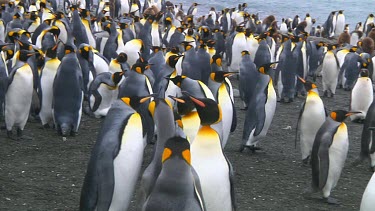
367	145
247	79
330	72
221	89
311	118
116	158
340	23
19	94
361	96
209	161
177	183
68	93
329	153
47	77
261	109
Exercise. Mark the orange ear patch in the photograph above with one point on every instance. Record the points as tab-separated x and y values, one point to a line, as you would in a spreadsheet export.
187	156
167	153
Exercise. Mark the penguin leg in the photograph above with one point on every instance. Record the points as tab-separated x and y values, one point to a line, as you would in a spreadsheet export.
21	136
10	135
331	200
305	162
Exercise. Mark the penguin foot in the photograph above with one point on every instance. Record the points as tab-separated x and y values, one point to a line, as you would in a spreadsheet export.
325	93
244	109
331	200
25	138
3	127
305	162
46	126
253	148
10	135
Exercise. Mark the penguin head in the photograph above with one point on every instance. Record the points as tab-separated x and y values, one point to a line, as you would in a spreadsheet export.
187	46
25	54
220	76
244	53
86	52
122	58
331	47
208	110
371	15
341	11
25	45
364	73
139	67
172	60
340	115
55	31
264	69
353	49
217	59
156	49
177	80
184	104
308	84
211	43
307	15
177	147
116	77
153	106
52	51
136	101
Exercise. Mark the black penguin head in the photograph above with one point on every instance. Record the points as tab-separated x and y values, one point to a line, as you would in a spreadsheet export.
243	53
156	49
353	49
172	60
208	110
52	51
25	54
184	104
177	147
177	80
152	107
187	45
136	101
139	67
371	15
364	73
331	47
55	31
175	50
307	84
307	15
211	43
217	59
239	29
86	52
116	77
340	115
220	76
264	69
122	57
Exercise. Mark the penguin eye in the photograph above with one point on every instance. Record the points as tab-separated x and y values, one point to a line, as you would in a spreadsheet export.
186	155
167	153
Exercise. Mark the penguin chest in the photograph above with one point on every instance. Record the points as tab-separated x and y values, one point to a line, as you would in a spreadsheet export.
191	123
368	202
239	45
19	94
115	67
46	83
330	69
337	155
361	97
225	102
100	65
155	35
108	95
212	168
127	163
270	107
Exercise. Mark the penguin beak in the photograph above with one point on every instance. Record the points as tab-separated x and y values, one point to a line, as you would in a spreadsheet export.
176	99
230	73
273	64
352	112
148	97
301	79
195	100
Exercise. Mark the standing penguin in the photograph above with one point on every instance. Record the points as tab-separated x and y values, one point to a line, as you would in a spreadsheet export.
329	25
209	161
221	89
368	203
311	118
193	9
261	109
330	72
238	45
361	96
19	94
329	153
46	85
340	23
367	145
248	78
177	182
68	93
116	159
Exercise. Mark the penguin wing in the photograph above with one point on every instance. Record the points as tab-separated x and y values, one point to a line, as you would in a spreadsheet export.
98	100
198	189
261	111
323	155
231	180
11	76
298	130
234	118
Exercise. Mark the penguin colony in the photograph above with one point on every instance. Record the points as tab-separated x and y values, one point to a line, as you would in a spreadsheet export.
157	75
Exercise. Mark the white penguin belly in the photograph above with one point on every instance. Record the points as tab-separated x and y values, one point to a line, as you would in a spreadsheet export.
100	65
330	72
224	100
18	98
361	97
155	36
212	168
354	39
368	202
372	156
337	156
46	83
253	45
312	119
102	44
239	45
127	164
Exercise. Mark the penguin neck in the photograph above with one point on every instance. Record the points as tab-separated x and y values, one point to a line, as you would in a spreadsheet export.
313	92
178	177
207	139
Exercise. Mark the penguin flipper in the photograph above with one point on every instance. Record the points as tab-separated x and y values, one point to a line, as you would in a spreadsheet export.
10	78
261	112
231	180
98	100
198	189
298	124
234	119
323	154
